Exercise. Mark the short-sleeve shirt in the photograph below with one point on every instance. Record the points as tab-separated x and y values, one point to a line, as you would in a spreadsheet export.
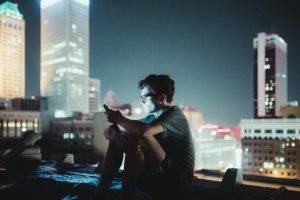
176	140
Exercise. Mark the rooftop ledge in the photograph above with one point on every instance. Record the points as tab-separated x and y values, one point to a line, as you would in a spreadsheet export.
46	180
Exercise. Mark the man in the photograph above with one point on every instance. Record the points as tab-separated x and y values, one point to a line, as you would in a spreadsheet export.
159	148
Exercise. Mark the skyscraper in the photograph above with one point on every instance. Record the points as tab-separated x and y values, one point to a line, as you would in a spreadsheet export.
94	95
270	75
65	56
12	50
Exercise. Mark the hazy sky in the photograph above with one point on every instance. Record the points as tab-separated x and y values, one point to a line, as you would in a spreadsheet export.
206	46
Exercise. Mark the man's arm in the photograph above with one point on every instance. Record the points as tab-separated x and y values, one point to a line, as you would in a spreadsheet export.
139	128
132	126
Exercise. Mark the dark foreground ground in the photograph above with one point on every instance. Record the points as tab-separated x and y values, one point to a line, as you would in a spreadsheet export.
47	181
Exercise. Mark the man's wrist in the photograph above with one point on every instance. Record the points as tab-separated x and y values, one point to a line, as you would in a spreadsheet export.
121	120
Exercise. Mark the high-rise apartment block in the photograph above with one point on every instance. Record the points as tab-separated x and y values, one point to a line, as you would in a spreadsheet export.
12	51
65	56
270	75
271	147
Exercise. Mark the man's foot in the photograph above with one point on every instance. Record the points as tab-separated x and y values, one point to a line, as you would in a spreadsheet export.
100	194
278	193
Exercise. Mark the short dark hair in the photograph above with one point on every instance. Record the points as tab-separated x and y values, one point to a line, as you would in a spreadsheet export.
161	84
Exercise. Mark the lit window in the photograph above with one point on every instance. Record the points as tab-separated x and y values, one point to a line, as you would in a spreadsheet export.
281	159
267	88
66	135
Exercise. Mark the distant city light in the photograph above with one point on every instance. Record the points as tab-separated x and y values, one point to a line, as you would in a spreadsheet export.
281	159
47	3
209	126
238	158
66	135
138	111
223	130
72	136
83	2
267	66
293	144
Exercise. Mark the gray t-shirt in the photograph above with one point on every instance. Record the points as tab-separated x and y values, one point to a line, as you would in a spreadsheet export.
176	140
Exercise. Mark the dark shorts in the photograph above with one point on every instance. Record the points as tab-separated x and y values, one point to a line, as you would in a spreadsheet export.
162	183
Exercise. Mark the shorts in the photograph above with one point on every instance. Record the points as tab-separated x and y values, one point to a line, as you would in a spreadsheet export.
161	184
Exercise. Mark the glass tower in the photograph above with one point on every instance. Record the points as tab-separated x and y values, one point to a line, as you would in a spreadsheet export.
270	75
65	56
12	50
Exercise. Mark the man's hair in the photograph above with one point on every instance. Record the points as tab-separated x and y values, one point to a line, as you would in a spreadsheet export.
160	84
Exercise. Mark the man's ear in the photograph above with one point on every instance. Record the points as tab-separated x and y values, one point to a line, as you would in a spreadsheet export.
163	97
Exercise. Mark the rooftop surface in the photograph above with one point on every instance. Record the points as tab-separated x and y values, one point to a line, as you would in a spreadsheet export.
46	181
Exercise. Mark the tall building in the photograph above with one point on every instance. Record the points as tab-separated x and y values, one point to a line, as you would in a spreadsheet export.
94	95
12	51
65	56
270	75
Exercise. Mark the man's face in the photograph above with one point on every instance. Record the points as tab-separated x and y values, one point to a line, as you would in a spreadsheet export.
148	100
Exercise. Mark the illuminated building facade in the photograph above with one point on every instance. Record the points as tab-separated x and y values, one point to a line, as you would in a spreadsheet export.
214	149
14	123
290	111
12	51
194	118
271	147
65	56
70	134
74	135
20	115
270	75
94	95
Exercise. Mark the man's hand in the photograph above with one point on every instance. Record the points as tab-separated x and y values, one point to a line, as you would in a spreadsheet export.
112	116
111	132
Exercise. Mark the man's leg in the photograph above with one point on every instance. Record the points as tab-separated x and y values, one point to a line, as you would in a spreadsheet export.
112	162
136	150
134	162
154	153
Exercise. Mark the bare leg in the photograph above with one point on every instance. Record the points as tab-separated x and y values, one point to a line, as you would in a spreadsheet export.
148	149
112	162
154	153
134	162
136	150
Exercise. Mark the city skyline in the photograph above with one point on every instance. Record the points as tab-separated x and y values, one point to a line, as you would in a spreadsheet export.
208	42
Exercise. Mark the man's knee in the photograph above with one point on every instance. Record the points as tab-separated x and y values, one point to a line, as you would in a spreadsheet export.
129	144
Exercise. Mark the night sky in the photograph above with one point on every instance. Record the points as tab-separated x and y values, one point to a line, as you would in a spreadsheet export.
206	46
